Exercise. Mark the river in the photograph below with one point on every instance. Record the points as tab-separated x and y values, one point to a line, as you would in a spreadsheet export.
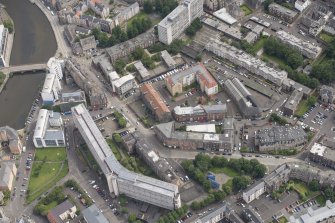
34	42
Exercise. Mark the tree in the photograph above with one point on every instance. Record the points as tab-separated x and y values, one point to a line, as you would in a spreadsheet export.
119	65
122	122
290	56
194	27
240	183
314	185
207	185
138	53
227	189
198	57
117	138
9	25
311	101
148	7
195	205
329	193
156	57
259	171
131	218
219	195
266	4
295	60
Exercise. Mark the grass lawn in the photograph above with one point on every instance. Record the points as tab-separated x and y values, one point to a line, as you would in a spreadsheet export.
302	108
229	183
143	15
282	219
51	154
49	175
273	59
303	190
326	37
321	200
246	10
259	44
226	170
114	148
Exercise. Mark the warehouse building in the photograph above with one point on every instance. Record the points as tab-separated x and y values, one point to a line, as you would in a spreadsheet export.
49	130
120	180
247	61
244	100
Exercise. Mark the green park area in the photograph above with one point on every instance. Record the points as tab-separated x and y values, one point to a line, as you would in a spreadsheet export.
226	170
50	165
326	37
246	10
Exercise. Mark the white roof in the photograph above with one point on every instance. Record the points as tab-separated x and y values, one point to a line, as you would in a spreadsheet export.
153	155
48	83
318	149
41	123
211	137
141	69
113	76
209	128
118	83
224	16
2	29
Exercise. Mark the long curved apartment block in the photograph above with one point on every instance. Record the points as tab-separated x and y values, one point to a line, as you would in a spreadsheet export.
120	180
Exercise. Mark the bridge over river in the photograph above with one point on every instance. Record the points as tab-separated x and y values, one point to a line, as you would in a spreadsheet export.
23	68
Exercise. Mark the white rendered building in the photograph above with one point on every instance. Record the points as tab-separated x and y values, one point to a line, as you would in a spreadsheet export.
174	24
49	130
3	45
55	66
51	90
